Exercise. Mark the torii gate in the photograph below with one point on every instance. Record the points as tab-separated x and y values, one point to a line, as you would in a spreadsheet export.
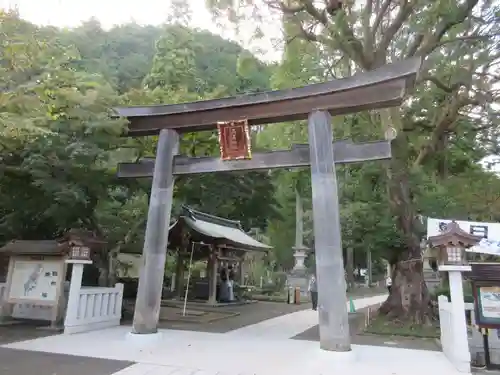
381	88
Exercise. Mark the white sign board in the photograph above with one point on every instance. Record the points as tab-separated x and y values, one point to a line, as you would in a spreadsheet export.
490	244
490	301
36	281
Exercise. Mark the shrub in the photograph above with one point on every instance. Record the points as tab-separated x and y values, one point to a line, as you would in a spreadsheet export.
280	280
445	291
267	289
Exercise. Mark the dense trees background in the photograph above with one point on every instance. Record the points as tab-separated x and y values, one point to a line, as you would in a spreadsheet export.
445	128
59	146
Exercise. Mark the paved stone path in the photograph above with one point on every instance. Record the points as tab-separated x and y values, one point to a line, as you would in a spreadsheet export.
20	362
287	326
264	348
22	332
248	315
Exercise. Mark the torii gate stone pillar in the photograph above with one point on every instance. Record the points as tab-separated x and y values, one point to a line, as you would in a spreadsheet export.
333	316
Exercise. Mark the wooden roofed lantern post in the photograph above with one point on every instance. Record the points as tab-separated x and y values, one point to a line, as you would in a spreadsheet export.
451	244
380	88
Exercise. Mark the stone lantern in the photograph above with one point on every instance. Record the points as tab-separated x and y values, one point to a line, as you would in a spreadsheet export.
298	277
81	244
450	246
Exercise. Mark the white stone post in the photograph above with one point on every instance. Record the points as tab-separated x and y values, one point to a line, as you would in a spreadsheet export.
172	282
461	353
74	292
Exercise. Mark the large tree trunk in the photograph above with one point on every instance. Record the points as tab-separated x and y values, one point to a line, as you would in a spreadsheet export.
409	297
103	274
113	265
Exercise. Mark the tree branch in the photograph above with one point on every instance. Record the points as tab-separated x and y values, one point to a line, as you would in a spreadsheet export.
344	36
467	38
439	84
425	44
349	44
368	36
445	122
380	16
287	9
404	12
315	12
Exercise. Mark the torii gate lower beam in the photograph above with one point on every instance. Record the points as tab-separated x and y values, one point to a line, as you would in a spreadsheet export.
299	156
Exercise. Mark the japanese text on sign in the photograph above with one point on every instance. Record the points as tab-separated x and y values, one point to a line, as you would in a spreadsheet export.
234	140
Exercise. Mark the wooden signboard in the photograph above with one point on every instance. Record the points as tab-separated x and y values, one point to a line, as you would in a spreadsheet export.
487	304
234	140
485	279
36	281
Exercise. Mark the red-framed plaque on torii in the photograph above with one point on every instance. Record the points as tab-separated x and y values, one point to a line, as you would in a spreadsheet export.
234	140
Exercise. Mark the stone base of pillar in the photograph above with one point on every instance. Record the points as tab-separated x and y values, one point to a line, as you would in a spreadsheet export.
340	357
331	360
144	339
298	279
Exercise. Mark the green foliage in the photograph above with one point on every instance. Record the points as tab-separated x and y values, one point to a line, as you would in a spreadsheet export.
444	290
59	143
447	127
53	167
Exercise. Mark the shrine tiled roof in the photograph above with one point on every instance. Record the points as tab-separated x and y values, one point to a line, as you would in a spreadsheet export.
220	228
43	247
51	247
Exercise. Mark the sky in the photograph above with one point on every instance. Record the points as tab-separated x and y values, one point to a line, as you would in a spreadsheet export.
71	13
67	13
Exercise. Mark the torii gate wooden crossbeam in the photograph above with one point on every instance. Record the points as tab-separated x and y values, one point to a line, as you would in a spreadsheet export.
380	88
377	89
299	156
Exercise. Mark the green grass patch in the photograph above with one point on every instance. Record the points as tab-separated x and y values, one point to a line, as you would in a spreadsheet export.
363	291
381	325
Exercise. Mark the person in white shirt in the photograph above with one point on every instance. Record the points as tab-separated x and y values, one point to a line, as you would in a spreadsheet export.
388	283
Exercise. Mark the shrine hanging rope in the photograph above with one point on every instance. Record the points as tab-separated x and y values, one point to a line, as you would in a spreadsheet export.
188	279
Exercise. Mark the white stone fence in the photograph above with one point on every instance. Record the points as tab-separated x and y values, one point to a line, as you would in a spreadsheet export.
450	341
91	308
446	325
475	337
94	308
